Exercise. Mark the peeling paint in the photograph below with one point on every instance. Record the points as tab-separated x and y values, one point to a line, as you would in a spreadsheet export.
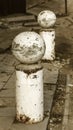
22	118
29	100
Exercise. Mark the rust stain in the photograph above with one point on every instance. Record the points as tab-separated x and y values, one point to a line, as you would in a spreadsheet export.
22	118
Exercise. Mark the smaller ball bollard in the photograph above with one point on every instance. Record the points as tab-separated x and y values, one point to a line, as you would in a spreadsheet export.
46	20
29	48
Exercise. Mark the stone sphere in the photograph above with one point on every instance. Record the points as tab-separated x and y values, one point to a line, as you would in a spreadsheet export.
28	47
46	19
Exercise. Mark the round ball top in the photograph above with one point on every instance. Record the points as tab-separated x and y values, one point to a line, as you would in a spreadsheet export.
28	47
46	18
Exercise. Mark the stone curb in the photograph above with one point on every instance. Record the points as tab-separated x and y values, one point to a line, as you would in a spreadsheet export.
66	109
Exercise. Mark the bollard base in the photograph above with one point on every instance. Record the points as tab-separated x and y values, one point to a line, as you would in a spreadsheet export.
29	93
26	120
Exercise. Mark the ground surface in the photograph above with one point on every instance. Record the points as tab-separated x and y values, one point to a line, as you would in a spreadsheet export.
63	63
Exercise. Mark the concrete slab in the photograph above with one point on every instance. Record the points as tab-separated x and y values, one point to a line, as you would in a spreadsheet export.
50	76
7	112
20	18
3	80
39	126
11	82
31	24
6	122
4	77
10	93
9	60
49	91
7	36
2	85
6	69
57	7
2	56
7	64
7	102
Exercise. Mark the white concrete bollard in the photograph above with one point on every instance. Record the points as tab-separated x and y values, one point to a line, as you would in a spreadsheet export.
46	20
29	48
49	37
29	93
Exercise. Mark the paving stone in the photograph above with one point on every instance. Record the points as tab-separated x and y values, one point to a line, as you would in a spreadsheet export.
2	84
4	77
11	82
2	103
21	18
7	64
31	24
70	79
70	19
6	122
9	59
2	56
36	29
38	126
63	22
7	102
7	93
7	112
3	80
6	69
49	91
7	36
50	76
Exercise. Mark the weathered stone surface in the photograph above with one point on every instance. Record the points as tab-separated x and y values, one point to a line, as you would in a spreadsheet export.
1	85
11	83
2	56
6	122
49	91
31	24
6	37
4	77
39	126
20	18
7	112
50	76
7	93
7	102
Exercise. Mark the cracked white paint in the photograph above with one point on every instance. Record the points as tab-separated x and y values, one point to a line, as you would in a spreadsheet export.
48	36
28	47
29	93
